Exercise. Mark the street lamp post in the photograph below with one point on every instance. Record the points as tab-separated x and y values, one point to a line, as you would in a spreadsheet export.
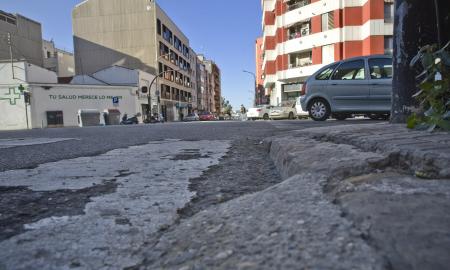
256	86
149	95
160	74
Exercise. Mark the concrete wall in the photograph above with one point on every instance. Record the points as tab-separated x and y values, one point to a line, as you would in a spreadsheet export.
71	98
12	108
114	32
116	75
48	52
26	40
66	64
59	61
36	74
25	73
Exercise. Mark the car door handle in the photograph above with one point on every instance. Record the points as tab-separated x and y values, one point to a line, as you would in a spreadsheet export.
334	84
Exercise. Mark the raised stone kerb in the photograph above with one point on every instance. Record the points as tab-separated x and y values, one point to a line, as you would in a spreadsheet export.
416	151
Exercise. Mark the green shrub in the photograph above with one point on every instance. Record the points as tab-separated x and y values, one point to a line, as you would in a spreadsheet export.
434	85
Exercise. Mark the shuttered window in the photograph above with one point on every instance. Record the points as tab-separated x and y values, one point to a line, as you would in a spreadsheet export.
327	21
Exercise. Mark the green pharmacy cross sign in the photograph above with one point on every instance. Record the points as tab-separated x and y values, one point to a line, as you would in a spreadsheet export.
12	96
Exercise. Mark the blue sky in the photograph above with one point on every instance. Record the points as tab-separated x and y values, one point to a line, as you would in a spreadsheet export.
224	31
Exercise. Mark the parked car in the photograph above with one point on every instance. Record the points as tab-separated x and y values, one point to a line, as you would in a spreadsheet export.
259	112
192	117
283	112
361	85
207	116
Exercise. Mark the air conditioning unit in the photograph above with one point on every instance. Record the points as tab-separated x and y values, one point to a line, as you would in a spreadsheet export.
305	30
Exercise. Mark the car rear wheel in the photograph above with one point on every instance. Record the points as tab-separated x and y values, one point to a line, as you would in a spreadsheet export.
266	117
319	110
291	116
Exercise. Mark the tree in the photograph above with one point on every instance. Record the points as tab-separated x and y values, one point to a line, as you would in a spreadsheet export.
226	106
414	27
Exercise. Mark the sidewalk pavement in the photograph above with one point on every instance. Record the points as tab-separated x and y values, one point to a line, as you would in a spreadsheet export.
391	183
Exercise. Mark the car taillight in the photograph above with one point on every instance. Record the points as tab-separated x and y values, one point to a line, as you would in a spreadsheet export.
303	92
258	110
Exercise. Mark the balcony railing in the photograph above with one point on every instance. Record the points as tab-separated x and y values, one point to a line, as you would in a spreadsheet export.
301	63
297	4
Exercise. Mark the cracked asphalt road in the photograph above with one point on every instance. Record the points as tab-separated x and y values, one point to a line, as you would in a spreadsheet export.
51	192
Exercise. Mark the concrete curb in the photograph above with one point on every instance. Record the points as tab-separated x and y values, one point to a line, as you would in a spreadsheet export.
420	153
369	172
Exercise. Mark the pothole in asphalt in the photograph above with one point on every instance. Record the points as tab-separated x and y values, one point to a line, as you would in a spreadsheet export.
20	205
247	168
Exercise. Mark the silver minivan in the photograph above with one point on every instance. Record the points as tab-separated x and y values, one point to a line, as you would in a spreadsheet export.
361	85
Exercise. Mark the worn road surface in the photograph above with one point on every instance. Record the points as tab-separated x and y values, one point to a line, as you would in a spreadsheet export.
176	196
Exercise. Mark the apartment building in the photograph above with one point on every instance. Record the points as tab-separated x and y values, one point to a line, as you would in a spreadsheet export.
260	94
137	34
202	85
214	86
26	38
301	36
57	60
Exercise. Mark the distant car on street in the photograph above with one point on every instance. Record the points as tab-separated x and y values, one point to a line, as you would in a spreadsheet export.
360	85
283	113
207	116
259	112
192	117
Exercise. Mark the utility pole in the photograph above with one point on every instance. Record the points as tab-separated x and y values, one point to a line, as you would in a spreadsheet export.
11	54
414	27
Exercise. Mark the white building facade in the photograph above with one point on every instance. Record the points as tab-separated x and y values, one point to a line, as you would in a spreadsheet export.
49	101
301	36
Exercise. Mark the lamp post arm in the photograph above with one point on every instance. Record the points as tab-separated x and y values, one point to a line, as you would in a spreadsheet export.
151	84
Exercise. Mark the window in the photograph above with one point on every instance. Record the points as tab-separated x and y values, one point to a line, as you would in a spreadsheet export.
327	21
167	34
160	69
300	59
326	73
186	51
163	50
388	11
353	70
380	68
388	45
49	54
158	26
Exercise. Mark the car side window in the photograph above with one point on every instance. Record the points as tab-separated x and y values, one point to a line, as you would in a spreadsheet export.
380	68
326	73
353	70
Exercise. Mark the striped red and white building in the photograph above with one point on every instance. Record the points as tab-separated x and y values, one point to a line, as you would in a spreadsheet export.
301	36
